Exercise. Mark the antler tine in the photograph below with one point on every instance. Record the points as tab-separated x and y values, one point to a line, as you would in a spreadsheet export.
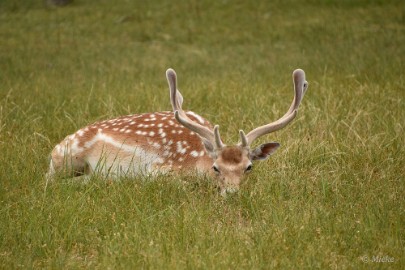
217	137
300	86
243	139
176	100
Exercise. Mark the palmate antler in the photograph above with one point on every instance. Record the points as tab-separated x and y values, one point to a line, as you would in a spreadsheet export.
300	87
213	136
176	99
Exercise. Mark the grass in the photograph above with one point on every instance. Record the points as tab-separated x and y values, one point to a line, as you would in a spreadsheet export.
331	195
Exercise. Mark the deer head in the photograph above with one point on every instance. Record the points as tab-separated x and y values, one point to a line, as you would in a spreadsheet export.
231	163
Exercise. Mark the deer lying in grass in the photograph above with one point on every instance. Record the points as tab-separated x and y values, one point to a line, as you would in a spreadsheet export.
161	142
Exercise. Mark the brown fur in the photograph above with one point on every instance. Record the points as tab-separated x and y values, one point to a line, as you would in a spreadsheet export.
231	154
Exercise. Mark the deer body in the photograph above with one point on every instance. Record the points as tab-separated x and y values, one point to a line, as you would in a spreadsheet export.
161	142
132	145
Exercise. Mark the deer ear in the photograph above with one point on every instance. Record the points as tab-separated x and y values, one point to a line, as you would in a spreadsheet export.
263	151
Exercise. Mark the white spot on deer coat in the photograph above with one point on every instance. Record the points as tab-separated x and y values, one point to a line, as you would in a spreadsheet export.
156	145
180	148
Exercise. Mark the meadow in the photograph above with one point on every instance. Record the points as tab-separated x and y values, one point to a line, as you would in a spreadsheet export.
332	196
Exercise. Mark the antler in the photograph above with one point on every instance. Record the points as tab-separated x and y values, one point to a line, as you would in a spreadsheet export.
300	86
176	99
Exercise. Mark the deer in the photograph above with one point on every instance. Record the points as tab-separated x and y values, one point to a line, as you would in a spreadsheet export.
164	142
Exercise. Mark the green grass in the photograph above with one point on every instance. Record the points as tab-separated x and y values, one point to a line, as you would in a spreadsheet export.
333	193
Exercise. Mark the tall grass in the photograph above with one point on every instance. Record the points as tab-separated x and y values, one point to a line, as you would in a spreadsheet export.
331	197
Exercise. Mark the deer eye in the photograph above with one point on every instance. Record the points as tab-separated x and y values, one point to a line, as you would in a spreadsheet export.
248	168
216	170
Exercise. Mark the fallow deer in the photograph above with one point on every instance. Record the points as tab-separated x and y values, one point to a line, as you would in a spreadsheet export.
161	142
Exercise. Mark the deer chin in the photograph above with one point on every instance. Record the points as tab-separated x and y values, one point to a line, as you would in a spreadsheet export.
228	190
